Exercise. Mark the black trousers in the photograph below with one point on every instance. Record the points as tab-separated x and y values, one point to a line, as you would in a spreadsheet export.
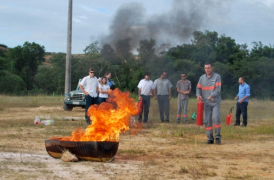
145	109
89	101
241	109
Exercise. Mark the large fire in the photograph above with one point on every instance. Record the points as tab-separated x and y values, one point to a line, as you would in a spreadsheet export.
108	119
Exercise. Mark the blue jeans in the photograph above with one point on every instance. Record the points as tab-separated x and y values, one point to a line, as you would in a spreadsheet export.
241	109
100	99
89	101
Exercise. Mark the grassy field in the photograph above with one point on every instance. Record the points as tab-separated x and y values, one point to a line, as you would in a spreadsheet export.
158	151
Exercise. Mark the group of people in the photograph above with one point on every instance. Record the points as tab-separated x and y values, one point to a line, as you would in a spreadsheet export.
208	90
95	90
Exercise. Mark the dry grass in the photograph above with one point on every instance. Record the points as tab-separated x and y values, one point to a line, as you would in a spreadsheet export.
158	151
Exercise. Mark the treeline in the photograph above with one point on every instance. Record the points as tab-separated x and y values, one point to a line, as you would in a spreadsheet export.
24	70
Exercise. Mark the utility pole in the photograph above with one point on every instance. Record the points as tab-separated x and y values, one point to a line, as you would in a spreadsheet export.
68	56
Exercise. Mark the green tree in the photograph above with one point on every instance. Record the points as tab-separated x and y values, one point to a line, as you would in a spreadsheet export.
45	79
146	51
3	58
10	83
184	51
205	46
259	50
122	47
226	48
92	48
25	60
108	54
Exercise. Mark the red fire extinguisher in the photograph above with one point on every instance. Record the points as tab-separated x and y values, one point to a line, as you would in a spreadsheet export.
140	106
229	116
200	113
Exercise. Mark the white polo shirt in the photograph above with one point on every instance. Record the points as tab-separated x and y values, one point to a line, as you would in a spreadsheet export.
90	85
146	86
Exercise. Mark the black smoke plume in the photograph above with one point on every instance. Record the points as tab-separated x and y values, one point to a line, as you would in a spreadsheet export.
175	26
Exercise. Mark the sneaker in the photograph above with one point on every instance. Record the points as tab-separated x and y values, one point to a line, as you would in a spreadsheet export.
236	124
243	125
210	142
177	122
218	141
166	121
185	122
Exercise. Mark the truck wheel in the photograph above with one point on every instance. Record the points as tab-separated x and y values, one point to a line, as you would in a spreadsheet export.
67	107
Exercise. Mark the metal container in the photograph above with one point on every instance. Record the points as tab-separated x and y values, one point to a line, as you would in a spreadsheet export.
102	151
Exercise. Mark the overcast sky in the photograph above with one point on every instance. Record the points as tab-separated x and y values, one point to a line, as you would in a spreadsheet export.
45	21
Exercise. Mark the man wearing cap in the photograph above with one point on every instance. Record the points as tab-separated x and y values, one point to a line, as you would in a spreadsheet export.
89	86
208	90
183	89
145	88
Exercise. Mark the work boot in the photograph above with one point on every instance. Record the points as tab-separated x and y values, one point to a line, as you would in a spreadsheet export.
210	142
218	141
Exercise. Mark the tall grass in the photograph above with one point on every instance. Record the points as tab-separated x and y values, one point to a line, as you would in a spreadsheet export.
29	101
258	110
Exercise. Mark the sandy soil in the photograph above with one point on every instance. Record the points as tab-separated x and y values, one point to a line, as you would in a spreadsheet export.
149	154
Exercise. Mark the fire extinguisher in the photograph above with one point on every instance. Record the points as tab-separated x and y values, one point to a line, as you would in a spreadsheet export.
140	106
229	116
200	112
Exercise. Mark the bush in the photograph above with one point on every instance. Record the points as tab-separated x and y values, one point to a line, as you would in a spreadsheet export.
10	83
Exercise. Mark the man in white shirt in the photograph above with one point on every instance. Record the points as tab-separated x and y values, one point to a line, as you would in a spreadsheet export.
89	86
145	88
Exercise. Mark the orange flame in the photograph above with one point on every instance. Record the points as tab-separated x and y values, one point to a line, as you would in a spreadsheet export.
108	119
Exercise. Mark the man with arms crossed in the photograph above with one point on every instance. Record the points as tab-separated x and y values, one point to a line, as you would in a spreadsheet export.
89	86
208	90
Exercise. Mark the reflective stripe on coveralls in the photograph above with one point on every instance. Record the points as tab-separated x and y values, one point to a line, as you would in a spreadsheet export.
211	86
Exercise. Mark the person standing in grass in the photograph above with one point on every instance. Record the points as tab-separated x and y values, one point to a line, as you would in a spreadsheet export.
183	89
89	86
242	97
208	90
103	90
145	88
162	93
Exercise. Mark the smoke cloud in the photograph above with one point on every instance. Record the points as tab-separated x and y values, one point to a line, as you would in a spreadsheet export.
175	26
